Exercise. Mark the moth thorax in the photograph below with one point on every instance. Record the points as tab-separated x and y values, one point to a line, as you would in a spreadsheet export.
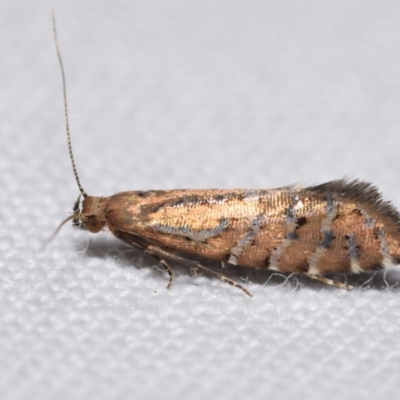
93	214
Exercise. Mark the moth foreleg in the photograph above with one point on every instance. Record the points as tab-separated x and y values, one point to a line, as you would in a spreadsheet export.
162	254
170	273
330	282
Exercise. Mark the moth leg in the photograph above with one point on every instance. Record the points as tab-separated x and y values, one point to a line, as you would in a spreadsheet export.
193	271
170	273
162	254
330	282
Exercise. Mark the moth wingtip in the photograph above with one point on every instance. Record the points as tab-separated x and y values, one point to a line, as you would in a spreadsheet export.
359	191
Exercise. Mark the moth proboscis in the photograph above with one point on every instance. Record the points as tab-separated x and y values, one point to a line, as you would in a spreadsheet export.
340	226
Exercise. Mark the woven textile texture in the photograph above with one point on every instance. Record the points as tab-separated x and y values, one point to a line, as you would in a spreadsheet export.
190	94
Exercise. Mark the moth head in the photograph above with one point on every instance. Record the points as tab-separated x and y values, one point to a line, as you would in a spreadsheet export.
89	214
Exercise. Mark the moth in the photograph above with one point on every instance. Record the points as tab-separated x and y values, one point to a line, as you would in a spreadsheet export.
340	226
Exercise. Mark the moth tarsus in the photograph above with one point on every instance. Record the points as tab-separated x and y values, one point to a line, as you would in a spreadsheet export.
169	271
340	226
331	282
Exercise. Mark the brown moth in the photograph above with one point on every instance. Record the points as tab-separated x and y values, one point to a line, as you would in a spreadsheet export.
339	226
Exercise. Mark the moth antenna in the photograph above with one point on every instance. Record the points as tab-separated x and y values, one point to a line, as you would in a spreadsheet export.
71	155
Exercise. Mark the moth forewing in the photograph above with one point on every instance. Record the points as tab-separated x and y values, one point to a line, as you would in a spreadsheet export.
339	226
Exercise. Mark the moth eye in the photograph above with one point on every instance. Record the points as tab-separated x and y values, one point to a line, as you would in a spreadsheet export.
77	223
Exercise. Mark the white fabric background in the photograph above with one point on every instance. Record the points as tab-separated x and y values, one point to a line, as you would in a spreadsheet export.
190	94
